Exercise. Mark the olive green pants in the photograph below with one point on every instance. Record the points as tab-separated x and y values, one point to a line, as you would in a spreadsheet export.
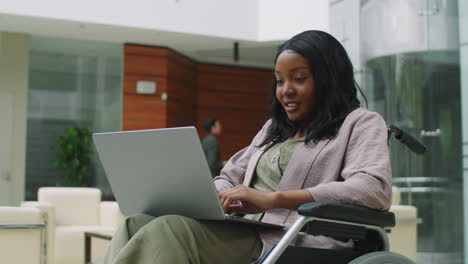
143	239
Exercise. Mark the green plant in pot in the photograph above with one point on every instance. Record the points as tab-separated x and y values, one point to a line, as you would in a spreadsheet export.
73	154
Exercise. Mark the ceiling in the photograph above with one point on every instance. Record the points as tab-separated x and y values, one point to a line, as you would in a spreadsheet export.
198	47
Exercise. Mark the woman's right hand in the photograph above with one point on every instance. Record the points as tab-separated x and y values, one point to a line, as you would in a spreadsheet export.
253	201
243	199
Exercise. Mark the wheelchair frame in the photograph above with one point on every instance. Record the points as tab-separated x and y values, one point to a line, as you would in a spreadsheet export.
275	254
333	220
339	221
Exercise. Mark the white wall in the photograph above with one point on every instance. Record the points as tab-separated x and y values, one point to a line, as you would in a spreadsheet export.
279	19
14	60
222	18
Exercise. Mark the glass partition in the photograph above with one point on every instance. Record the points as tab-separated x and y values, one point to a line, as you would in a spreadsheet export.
71	83
419	92
411	69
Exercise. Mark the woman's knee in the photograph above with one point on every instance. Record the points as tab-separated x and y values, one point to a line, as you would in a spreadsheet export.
136	222
176	219
172	224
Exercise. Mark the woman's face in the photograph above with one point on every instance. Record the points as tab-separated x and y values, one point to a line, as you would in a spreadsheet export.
295	88
217	128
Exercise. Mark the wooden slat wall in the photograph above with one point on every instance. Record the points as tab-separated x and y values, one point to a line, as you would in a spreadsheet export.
144	111
238	97
182	76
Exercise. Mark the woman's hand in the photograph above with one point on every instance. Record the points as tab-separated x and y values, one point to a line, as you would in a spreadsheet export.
247	200
252	201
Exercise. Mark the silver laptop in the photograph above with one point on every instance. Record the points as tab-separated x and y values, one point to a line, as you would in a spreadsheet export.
160	172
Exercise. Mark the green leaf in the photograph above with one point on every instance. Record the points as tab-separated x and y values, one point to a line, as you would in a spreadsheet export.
73	153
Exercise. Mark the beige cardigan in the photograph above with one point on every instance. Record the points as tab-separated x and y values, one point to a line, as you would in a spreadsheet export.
352	168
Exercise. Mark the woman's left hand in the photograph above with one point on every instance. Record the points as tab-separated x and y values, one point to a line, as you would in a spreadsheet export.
252	201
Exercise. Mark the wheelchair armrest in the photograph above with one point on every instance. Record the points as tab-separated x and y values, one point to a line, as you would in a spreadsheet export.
348	213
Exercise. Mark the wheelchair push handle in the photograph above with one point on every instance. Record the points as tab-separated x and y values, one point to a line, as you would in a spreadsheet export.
408	140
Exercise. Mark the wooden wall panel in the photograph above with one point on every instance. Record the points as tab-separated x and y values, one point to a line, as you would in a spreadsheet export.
182	77
181	91
234	80
130	82
180	114
230	143
144	65
234	70
145	50
239	127
238	84
182	69
235	120
241	101
237	96
143	112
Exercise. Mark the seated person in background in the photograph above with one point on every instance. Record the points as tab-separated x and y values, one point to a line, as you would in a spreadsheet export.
210	145
319	145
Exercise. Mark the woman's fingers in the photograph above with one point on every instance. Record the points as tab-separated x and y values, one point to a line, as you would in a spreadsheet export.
230	192
254	201
235	208
229	197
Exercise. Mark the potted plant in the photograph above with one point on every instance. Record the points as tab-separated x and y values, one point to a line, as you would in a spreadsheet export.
73	154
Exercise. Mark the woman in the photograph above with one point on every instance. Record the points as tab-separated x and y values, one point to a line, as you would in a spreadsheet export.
317	146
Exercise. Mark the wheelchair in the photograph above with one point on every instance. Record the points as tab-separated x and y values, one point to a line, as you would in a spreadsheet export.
366	227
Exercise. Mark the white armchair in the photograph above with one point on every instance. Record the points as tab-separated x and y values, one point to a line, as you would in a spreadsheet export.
70	213
403	237
22	235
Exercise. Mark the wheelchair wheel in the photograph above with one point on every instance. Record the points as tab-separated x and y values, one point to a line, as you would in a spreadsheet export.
382	257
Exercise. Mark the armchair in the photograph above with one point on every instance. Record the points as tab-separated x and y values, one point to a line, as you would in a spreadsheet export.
22	238
403	237
71	212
